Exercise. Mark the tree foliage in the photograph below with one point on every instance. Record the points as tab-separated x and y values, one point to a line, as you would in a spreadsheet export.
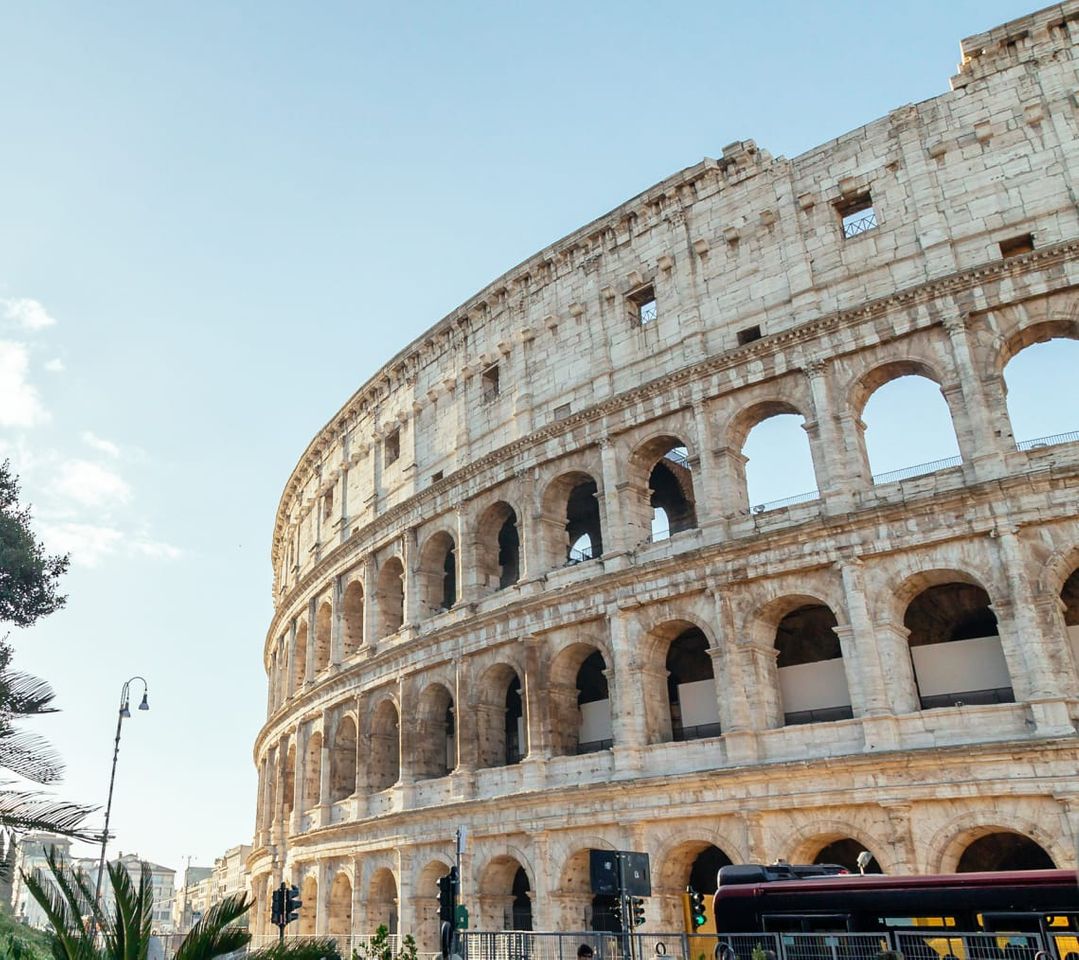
29	577
82	930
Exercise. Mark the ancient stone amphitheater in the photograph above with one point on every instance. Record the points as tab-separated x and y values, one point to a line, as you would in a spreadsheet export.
520	587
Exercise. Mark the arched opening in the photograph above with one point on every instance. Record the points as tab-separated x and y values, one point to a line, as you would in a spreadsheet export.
691	687
1004	850
498	548
845	852
385	758
343	760
1043	393
427	929
571	520
312	770
908	429
809	666
580	707
582	523
299	657
521	918
1069	596
435	750
390	597
670	502
340	919
778	461
309	908
352	604
290	782
438	574
593	701
705	869
323	621
382	902
955	647
500	717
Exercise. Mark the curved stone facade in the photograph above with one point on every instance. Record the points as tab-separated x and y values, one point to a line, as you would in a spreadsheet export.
520	586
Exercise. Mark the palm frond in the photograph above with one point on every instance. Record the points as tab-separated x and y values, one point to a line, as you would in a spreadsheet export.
24	812
213	936
64	899
128	936
24	695
321	949
29	756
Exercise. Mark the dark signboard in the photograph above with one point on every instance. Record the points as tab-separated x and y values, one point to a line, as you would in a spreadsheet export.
607	868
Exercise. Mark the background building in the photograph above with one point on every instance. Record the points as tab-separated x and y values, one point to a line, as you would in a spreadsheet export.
30	852
521	587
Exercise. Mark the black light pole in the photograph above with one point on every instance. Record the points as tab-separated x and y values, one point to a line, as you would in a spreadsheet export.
124	713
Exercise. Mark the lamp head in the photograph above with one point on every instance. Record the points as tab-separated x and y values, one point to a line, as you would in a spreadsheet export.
145	705
125	712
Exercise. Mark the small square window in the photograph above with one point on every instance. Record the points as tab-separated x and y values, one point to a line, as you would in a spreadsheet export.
1017	246
748	335
642	305
489	382
857	215
393	447
436	476
562	411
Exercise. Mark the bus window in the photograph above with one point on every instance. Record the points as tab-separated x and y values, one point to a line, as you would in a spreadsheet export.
933	922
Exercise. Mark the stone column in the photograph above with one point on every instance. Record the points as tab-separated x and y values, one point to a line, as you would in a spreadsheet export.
312	640
406	906
337	623
979	443
617	537
542	918
406	761
410	561
735	715
359	898
290	661
1035	657
893	647
370	606
865	677
322	911
838	473
758	662
627	718
298	776
706	492
469	585
465	722
538	720
363	752
731	481
329	731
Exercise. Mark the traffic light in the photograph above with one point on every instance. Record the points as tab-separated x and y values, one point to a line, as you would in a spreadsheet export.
277	907
696	908
292	904
447	896
636	906
616	909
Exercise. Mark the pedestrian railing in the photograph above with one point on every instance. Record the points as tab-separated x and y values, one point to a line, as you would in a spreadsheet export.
917	470
1052	441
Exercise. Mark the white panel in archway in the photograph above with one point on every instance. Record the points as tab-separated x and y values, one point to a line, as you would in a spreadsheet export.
1073	636
698	702
814	686
960	666
595	721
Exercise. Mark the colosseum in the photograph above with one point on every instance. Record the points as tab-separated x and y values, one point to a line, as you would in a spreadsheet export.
520	586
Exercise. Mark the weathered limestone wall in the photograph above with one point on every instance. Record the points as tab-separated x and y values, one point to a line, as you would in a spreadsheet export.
359	792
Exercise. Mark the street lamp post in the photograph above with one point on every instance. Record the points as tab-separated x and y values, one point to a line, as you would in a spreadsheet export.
124	713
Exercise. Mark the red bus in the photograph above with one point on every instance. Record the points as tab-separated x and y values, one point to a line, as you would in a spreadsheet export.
934	909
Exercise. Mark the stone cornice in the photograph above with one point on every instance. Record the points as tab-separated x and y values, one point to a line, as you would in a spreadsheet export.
386	525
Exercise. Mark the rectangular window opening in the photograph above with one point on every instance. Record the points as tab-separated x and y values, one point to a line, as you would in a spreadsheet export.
393	447
642	305
857	215
562	411
748	335
490	383
1017	246
327	505
436	476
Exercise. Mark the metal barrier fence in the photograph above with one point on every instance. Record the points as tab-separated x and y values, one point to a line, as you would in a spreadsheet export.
969	946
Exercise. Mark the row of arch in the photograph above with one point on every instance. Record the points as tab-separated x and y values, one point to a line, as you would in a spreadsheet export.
663	497
504	897
955	656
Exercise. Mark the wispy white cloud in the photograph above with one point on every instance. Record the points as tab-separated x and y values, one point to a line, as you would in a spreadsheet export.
26	313
157	549
87	543
20	405
91	439
90	484
55	365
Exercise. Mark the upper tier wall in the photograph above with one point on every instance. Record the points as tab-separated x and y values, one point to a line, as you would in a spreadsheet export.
727	245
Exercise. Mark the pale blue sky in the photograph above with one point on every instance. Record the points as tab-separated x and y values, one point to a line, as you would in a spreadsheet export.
234	212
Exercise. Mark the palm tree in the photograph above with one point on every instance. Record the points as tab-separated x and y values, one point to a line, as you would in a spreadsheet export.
83	930
30	758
